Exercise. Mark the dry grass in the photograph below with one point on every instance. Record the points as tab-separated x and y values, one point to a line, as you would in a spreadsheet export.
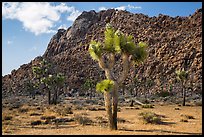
83	120
150	117
128	121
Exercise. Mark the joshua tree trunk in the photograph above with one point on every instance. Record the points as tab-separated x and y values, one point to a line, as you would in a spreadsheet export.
184	94
55	96
91	94
107	98
49	96
115	106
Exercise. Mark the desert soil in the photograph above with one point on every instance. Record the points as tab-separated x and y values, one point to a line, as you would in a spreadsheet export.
131	124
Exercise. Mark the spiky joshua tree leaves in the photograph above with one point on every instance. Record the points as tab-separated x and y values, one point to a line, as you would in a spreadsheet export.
115	44
182	76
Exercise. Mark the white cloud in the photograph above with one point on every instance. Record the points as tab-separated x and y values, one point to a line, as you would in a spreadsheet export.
9	42
121	8
134	7
74	14
102	8
128	7
64	26
33	48
37	17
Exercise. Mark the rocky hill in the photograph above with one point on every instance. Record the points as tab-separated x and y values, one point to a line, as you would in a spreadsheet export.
174	42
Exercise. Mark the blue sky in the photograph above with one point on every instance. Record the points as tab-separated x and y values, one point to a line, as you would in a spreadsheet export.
28	27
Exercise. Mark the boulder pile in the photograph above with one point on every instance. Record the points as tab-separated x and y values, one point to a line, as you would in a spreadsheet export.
174	43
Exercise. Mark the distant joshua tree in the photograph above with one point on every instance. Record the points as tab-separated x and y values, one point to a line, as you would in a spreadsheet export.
182	77
115	44
52	82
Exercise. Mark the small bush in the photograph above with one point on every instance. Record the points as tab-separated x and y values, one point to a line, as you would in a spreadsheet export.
163	94
101	121
8	118
83	120
23	110
149	117
35	114
47	117
92	109
79	108
198	103
121	120
183	120
62	120
147	106
37	122
64	111
187	116
101	109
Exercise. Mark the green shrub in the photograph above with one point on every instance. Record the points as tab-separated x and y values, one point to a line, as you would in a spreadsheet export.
163	94
150	117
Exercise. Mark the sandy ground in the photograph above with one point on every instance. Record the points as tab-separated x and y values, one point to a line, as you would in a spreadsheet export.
133	125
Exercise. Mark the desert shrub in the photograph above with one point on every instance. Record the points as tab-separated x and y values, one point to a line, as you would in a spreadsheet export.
101	109
101	121
84	114
23	110
177	108
187	116
35	114
47	117
150	117
147	106
62	120
8	118
79	108
163	94
92	109
198	103
37	122
183	120
64	111
121	120
82	120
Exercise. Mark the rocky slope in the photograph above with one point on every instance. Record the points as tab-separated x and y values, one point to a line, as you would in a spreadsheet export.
174	42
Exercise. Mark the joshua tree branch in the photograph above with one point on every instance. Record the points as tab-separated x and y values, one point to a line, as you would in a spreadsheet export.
111	61
126	65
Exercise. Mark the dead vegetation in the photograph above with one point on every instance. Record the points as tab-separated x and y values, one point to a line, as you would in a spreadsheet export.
150	117
26	118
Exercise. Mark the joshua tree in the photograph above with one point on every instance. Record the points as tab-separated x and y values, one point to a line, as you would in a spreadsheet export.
116	44
182	76
31	88
39	71
52	82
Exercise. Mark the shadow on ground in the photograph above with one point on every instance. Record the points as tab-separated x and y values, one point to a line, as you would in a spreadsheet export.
161	131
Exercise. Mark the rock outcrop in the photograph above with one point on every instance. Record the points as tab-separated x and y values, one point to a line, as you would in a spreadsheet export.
174	43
